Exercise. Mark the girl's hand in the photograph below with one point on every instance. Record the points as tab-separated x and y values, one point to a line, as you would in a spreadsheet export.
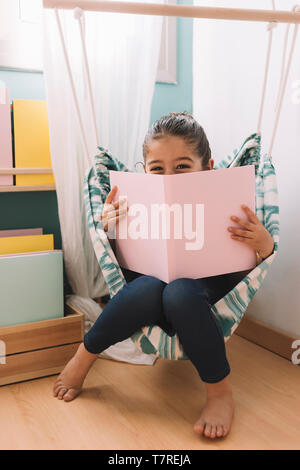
253	233
111	212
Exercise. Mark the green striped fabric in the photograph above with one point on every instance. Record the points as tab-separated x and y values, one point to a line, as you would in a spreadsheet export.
230	309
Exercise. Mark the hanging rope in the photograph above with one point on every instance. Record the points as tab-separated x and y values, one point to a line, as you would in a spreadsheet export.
72	83
284	77
283	61
270	28
75	97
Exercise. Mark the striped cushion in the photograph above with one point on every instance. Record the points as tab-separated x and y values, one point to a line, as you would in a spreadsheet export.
230	309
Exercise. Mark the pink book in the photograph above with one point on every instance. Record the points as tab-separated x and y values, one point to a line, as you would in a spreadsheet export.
30	253
177	224
6	159
21	232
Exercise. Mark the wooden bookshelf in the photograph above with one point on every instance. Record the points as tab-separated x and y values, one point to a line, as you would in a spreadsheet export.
42	348
26	171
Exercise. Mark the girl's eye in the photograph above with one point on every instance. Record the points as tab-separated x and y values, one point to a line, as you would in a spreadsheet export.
157	168
183	165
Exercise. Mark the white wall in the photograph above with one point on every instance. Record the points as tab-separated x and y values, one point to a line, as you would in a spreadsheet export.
229	62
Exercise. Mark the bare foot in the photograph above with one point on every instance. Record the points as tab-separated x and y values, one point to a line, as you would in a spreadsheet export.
217	415
69	382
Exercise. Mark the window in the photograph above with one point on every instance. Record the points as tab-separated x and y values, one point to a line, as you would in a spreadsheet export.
21	39
21	33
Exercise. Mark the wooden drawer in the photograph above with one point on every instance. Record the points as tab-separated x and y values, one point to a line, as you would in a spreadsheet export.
41	348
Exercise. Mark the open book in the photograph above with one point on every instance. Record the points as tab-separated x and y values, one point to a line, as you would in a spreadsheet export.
176	225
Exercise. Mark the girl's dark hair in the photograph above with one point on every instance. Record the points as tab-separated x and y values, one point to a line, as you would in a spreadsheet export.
181	125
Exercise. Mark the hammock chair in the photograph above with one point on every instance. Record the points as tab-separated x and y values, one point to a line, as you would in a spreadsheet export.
229	310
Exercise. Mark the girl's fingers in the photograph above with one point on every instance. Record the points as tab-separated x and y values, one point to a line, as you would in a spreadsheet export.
113	222
244	223
107	208
252	216
111	195
248	241
111	207
112	214
113	219
242	233
251	223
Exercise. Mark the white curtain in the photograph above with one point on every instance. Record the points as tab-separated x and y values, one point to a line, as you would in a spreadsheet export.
123	53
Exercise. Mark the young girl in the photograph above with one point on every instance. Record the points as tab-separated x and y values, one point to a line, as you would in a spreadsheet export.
174	144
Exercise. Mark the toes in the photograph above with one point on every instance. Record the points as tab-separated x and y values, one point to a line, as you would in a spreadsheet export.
207	430
213	431
61	392
220	430
199	426
56	387
71	394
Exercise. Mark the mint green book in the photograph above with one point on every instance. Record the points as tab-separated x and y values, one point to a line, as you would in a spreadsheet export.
31	287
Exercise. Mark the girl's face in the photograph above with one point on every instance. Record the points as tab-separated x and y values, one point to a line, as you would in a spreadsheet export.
170	155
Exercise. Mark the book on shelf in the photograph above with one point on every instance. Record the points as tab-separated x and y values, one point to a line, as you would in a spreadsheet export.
6	155
26	243
31	140
31	287
21	232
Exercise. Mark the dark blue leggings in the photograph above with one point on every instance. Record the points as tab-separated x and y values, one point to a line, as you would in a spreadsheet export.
183	306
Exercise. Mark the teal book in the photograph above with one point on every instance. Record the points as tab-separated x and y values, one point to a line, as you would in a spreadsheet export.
31	287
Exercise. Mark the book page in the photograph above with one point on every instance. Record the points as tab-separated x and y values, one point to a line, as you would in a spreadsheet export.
203	202
140	242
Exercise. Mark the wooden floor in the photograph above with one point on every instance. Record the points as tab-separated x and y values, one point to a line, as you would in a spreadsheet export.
126	406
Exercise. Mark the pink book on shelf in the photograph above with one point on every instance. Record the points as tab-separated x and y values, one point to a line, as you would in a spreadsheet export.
6	158
21	232
177	224
30	253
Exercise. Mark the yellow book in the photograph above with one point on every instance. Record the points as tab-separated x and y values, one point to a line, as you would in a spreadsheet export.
31	137
24	244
